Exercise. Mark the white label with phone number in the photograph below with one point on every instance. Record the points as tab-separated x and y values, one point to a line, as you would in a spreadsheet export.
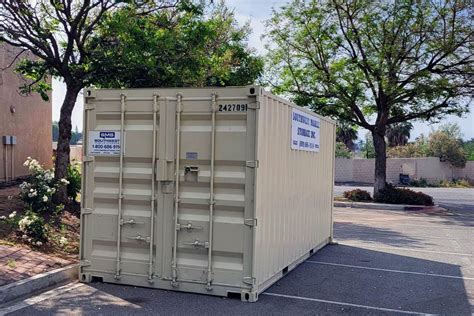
104	143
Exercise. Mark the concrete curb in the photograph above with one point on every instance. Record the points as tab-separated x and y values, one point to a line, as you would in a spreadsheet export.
381	206
37	282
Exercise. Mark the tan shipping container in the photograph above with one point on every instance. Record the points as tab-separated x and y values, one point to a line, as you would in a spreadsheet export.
249	198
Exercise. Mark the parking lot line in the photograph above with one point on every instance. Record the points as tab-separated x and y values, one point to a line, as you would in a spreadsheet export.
344	304
407	249
414	236
397	222
390	270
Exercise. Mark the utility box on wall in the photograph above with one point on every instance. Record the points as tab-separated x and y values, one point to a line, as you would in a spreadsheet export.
213	190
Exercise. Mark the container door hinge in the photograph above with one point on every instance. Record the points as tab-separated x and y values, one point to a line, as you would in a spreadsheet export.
84	263
86	211
251	163
89	106
250	222
249	280
254	105
87	158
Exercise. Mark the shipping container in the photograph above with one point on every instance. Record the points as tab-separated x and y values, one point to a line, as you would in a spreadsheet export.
216	191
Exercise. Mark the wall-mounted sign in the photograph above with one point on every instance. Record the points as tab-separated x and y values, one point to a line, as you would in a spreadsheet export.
304	131
104	143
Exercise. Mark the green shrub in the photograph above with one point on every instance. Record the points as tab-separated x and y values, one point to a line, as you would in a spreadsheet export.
342	151
33	228
392	195
357	195
420	183
455	183
74	179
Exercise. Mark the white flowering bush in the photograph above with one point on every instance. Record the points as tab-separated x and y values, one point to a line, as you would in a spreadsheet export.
38	191
33	229
30	227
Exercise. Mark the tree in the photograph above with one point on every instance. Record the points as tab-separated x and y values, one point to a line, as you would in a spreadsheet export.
195	48
342	151
367	147
398	134
59	33
374	64
346	134
468	147
446	144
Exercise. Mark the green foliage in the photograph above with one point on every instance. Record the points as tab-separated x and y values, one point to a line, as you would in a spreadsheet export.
346	134
398	134
357	195
366	147
192	47
420	148
455	183
74	179
342	151
392	195
420	183
444	143
469	149
37	73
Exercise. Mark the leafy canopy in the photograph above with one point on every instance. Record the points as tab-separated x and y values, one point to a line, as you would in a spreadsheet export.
196	46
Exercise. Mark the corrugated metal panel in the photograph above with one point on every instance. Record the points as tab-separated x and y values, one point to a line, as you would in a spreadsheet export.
293	191
150	219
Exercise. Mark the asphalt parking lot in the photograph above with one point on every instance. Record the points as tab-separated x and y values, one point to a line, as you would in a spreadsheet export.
387	262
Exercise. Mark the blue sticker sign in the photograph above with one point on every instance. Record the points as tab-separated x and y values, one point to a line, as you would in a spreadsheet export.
104	143
305	130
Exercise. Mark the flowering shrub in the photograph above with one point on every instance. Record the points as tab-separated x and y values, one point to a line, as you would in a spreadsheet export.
37	192
33	228
30	227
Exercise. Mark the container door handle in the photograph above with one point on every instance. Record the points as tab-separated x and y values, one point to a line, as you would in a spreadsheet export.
197	244
139	237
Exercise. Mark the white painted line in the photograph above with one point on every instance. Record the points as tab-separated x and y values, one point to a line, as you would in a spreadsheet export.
390	270
344	304
397	222
39	298
363	245
361	232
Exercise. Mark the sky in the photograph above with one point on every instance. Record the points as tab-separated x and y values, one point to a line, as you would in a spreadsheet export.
256	12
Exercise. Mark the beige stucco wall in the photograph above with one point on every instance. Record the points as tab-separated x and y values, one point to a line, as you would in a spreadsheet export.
30	122
429	168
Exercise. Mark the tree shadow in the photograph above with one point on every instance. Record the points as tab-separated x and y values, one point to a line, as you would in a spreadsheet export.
370	234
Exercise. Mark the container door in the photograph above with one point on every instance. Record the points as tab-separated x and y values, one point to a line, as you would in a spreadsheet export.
210	203
119	196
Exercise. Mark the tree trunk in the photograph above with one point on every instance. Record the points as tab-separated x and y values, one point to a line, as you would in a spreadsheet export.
380	177
63	148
